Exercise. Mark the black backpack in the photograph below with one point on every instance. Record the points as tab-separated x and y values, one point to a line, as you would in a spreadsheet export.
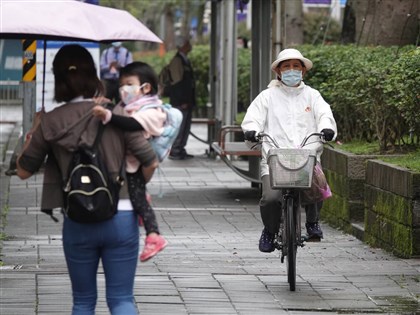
91	194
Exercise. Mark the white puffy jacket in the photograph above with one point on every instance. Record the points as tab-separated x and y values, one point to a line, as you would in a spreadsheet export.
288	114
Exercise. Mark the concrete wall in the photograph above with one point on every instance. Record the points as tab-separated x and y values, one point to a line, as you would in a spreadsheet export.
377	202
392	208
345	173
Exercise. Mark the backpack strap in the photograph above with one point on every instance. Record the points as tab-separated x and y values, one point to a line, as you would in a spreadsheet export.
148	106
120	177
98	135
101	128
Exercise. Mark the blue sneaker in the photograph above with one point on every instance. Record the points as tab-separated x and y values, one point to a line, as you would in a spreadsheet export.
314	232
266	242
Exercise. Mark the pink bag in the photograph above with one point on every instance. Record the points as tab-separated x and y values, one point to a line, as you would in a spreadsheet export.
320	190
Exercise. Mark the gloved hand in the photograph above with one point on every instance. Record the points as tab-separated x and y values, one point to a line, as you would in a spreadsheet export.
251	135
328	134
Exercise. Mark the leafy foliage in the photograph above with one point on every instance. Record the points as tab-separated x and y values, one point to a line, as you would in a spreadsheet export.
373	91
244	79
320	28
200	60
402	90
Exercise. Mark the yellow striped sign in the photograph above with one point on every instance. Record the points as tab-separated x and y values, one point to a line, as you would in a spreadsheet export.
29	60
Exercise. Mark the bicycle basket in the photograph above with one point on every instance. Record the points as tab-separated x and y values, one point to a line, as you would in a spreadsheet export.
291	168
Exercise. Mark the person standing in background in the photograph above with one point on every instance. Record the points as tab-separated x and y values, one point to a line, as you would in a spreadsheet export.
112	60
182	95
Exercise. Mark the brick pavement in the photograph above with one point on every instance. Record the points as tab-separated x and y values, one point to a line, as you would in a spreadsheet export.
212	265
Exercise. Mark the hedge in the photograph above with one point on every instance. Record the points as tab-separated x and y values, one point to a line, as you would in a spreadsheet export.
373	91
200	60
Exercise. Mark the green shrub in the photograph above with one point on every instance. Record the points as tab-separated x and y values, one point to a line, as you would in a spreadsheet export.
154	60
402	91
244	79
373	91
200	61
320	28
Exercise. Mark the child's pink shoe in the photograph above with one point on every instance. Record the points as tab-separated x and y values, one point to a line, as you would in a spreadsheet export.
149	198
153	245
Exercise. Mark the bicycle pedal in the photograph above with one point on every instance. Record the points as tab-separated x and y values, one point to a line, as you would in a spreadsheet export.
278	245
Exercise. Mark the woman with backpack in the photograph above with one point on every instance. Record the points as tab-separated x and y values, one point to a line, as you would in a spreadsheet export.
113	242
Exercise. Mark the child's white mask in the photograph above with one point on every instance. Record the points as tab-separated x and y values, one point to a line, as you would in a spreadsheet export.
131	93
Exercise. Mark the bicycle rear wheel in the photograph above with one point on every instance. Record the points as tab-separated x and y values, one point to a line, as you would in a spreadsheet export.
291	243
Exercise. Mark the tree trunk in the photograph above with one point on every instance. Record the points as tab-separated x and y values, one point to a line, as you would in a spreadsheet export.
186	20
169	40
200	17
348	32
382	22
293	22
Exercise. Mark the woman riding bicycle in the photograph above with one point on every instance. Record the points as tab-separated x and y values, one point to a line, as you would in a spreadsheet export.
288	110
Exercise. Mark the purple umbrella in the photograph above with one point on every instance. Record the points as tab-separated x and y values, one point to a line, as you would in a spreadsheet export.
69	20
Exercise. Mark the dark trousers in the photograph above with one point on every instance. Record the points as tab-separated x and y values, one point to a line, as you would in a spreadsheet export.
137	191
178	148
112	90
270	207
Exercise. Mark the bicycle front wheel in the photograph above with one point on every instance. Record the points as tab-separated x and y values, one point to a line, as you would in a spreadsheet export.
291	243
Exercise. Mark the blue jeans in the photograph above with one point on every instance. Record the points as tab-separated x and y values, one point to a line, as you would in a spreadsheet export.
116	243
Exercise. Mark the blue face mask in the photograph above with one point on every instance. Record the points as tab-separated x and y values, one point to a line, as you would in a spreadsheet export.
291	77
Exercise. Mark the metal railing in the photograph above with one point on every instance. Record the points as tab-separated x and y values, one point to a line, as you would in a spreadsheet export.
9	93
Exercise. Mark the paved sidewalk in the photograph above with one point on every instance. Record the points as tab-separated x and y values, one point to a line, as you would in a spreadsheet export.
212	264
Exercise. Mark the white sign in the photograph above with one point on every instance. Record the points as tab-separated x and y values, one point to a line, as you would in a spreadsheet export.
50	51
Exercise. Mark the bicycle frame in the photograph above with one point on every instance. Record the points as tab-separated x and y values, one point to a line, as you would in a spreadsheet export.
290	238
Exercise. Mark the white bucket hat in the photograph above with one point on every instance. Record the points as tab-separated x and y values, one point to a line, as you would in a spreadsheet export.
291	53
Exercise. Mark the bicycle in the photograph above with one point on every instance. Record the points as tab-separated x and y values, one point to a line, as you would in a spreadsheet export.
291	170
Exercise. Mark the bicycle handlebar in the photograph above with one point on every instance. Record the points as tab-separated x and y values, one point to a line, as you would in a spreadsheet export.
261	135
318	134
